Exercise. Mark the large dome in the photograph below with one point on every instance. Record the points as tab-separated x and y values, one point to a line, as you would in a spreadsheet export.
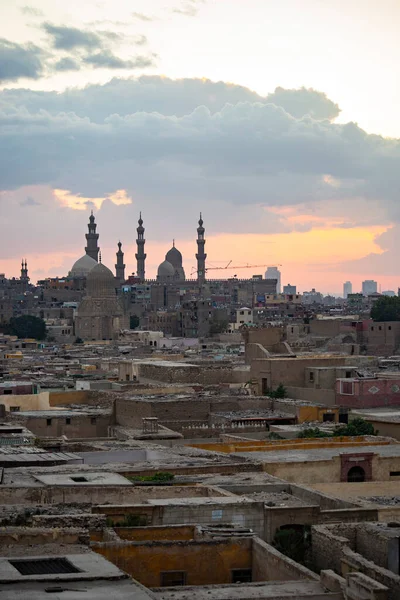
174	257
165	270
83	266
100	282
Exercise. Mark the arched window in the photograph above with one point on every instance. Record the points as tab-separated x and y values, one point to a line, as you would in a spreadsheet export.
356	474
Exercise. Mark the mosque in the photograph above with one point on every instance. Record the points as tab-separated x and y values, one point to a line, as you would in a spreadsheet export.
101	314
170	270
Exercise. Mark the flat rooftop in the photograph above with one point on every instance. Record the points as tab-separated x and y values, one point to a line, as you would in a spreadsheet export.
317	454
391	414
295	590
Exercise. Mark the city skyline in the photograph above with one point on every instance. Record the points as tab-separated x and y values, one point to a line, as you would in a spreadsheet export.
257	129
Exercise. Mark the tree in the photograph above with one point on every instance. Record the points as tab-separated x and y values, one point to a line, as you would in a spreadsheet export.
386	308
134	321
356	427
28	326
280	392
218	326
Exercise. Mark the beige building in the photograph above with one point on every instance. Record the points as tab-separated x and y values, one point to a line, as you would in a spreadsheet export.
100	315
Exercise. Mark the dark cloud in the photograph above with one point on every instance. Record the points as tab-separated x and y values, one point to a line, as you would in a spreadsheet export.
67	64
31	11
108	60
20	61
29	201
305	101
157	94
178	146
69	38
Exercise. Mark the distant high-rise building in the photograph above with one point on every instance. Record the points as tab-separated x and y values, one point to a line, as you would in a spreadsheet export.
290	289
369	286
347	288
389	293
274	273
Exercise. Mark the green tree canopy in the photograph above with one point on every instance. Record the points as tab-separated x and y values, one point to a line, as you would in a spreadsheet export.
386	308
28	326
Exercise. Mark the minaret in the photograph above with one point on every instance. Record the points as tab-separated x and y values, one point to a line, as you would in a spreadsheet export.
24	272
120	267
92	237
140	255
201	256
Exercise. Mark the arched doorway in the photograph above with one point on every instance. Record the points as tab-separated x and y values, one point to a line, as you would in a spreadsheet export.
356	474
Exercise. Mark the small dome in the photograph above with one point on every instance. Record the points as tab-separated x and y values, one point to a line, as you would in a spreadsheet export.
174	257
165	270
100	282
83	266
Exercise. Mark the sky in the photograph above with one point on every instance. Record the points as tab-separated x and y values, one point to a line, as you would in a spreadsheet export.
277	120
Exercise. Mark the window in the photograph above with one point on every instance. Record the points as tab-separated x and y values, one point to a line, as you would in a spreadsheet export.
389	327
380	328
241	575
93	421
48	422
330	417
68	421
311	376
47	566
7	392
173	578
15	408
372	328
394	473
348	374
79	479
347	388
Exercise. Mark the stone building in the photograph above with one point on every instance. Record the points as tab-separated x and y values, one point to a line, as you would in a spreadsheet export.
100	315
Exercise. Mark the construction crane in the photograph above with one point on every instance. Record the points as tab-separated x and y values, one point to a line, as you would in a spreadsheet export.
230	266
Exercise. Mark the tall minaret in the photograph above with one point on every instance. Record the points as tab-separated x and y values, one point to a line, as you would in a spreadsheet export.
140	255
201	256
120	267
92	237
24	271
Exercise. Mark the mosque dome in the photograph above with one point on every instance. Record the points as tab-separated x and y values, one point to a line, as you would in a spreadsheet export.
82	266
100	282
174	257
165	270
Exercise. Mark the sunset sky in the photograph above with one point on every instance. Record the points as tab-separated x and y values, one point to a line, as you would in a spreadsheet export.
278	120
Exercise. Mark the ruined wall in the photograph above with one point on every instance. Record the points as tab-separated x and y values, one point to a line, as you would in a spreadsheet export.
209	562
89	397
34	536
328	544
383	551
91	494
142	534
204	375
72	426
271	565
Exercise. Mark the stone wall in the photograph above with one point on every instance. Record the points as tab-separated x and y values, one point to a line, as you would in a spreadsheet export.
271	565
204	562
91	494
339	547
70	425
